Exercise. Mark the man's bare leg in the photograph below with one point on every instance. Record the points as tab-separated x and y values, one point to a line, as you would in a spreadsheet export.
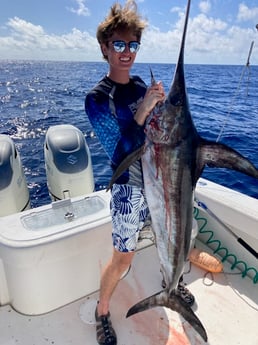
111	275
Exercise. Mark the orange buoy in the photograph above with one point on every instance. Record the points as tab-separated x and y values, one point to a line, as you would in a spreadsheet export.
205	261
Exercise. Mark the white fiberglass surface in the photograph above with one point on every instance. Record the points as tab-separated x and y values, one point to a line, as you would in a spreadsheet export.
63	212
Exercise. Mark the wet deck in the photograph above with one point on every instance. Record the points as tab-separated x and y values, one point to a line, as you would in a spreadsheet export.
227	305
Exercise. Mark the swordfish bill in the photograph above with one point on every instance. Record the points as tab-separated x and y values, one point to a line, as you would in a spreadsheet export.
173	158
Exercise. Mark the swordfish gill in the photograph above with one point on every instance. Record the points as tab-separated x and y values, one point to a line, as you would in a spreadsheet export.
173	158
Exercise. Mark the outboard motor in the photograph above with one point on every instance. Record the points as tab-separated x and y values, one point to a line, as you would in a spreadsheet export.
14	193
68	163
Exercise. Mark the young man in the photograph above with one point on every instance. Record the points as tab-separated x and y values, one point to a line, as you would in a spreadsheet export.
117	108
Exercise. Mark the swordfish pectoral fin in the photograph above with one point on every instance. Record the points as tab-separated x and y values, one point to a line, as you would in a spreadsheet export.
129	160
174	302
222	156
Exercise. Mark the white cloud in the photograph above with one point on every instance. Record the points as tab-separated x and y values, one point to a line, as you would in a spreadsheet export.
245	13
176	9
29	41
81	10
202	23
209	40
205	6
23	28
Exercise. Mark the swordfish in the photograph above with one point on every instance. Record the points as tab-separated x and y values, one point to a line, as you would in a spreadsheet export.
173	158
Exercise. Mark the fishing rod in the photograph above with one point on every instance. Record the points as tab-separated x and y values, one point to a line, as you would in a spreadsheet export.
249	55
227	228
247	66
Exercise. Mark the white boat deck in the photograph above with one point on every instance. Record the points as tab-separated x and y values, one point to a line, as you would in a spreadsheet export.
226	304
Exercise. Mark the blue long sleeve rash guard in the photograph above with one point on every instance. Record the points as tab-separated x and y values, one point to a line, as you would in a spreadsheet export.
111	108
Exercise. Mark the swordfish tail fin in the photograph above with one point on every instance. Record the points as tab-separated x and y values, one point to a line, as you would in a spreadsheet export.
174	302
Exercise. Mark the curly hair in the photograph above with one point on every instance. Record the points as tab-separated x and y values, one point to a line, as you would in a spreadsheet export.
121	19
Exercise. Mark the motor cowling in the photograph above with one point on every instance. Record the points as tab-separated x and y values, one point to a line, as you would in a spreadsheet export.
68	162
14	193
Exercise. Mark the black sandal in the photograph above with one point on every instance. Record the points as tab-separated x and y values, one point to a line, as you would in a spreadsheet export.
182	290
105	332
184	293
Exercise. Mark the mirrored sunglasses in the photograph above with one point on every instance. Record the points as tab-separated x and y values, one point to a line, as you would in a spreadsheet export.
119	46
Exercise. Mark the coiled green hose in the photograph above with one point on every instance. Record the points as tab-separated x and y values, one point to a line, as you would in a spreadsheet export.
222	251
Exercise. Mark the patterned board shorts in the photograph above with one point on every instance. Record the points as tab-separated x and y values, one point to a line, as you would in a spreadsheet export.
129	211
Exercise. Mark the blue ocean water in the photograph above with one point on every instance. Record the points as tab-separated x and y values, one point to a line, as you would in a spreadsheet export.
35	95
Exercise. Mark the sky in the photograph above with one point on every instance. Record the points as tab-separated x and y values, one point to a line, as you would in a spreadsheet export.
219	31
